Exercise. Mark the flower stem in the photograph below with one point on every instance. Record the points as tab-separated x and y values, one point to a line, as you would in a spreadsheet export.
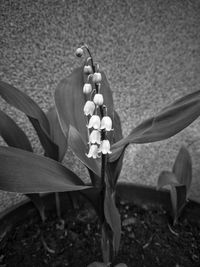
104	158
92	62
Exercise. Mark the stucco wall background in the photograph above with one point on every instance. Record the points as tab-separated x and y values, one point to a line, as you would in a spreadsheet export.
149	50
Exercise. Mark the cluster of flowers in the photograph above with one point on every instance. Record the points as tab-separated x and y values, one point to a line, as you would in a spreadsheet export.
98	142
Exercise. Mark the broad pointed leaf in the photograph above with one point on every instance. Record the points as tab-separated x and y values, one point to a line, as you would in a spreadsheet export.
167	178
56	132
167	123
96	181
12	134
25	172
15	137
79	148
70	101
178	200
177	191
183	168
23	102
37	201
50	148
37	117
117	128
173	196
181	197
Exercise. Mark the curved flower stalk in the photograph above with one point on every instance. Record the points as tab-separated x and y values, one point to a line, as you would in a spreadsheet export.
99	125
99	122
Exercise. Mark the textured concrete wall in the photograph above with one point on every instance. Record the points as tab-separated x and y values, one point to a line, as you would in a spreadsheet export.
149	50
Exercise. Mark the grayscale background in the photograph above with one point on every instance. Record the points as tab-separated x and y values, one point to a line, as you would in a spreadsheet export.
149	50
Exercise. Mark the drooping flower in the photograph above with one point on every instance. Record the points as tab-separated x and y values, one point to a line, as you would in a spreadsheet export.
87	69
87	88
94	122
79	52
89	108
98	99
105	147
106	123
95	137
93	152
97	77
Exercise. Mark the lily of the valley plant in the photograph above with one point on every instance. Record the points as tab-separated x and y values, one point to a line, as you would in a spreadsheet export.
83	118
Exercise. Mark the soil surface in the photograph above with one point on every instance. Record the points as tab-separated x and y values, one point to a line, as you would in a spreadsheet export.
147	240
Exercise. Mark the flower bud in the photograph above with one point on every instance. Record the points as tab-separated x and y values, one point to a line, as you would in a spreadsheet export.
95	137
93	152
97	77
98	99
106	123
79	52
105	147
89	108
87	69
94	122
87	88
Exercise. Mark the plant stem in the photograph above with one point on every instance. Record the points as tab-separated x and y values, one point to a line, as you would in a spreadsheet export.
92	62
103	112
103	183
58	205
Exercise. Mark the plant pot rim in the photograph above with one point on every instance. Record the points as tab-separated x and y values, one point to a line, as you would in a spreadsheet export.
142	195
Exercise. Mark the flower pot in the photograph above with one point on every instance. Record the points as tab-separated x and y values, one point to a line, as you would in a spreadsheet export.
147	239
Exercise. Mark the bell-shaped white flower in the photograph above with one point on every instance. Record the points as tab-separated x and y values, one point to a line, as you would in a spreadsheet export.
89	108
105	147
106	123
94	122
97	77
98	99
93	152
79	52
95	137
87	69
87	88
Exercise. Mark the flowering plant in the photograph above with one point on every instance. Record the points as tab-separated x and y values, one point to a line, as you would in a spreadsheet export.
85	119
